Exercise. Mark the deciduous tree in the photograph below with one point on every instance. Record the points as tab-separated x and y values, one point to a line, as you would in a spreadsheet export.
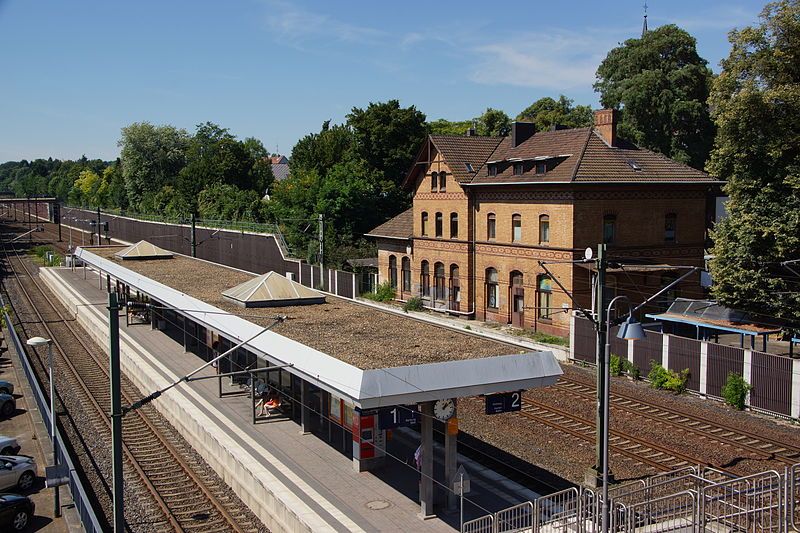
547	112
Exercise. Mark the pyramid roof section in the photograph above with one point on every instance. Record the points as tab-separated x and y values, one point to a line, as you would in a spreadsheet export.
272	290
143	250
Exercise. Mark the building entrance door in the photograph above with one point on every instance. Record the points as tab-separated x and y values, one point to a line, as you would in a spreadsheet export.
517	300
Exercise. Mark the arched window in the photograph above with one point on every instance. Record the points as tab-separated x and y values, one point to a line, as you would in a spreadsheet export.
439	224
424	224
406	269
491	288
442	181
434	181
455	284
425	279
454	225
544	228
609	228
438	281
393	271
491	227
545	290
516	228
670	230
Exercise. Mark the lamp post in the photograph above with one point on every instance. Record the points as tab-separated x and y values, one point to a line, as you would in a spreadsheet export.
631	329
39	341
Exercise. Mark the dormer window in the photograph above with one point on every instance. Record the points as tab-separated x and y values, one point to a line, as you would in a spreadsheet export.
492	170
634	165
469	168
541	167
518	169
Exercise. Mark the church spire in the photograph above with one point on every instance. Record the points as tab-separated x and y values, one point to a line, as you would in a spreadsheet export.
644	24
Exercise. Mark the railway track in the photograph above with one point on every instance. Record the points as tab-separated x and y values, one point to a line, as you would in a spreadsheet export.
189	501
759	446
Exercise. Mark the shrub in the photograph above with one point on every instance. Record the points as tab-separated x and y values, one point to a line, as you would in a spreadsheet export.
664	378
383	293
631	369
41	253
468	328
615	365
413	304
735	390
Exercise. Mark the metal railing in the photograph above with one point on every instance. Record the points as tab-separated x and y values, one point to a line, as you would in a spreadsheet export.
689	499
83	504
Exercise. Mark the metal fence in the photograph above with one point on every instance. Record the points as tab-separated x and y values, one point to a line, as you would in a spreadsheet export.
688	500
83	504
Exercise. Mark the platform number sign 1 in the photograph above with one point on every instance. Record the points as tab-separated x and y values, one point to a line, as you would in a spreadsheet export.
397	416
504	402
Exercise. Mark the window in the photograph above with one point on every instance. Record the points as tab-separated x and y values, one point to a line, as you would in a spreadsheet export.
491	288
544	228
424	223
454	225
492	170
541	167
670	295
438	281
434	181
469	168
609	228
438	224
425	279
406	269
455	284
491	227
670	221
393	271
516	228
442	181
518	168
545	286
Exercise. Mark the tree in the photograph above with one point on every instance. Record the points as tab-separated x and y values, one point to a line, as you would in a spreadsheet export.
493	123
388	136
756	102
447	127
546	113
319	152
152	156
661	85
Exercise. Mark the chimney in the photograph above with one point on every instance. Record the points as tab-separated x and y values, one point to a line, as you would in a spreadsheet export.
471	132
521	132
605	124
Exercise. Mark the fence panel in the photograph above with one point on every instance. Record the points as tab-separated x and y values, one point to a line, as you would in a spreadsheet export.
685	353
753	503
772	383
585	341
721	361
484	524
516	518
344	283
660	515
618	346
647	350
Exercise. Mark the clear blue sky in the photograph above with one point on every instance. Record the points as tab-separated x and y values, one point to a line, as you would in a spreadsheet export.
75	72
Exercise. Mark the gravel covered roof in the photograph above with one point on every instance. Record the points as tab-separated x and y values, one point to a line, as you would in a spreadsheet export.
357	334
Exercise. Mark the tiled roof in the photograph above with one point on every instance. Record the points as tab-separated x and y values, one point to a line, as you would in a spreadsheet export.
458	150
399	227
280	171
580	155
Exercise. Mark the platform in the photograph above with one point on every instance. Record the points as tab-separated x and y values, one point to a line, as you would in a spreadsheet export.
271	460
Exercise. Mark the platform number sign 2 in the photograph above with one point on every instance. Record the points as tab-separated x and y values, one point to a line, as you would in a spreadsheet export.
504	402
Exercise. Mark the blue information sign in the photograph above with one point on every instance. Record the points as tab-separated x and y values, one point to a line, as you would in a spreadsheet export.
504	402
397	416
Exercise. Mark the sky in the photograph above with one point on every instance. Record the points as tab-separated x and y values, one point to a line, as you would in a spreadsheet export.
73	73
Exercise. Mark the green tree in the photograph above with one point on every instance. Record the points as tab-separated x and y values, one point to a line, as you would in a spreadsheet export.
661	85
447	127
493	123
547	112
152	156
756	102
318	152
388	136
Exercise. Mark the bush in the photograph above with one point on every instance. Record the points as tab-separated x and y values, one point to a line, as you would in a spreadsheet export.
631	369
383	293
615	365
666	379
41	253
413	304
735	390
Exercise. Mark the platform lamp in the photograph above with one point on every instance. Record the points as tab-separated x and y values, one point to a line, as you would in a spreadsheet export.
630	330
35	342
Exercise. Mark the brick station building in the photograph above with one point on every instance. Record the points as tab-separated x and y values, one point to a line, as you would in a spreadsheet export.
486	210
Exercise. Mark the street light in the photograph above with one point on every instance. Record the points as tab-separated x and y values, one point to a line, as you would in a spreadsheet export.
40	341
631	329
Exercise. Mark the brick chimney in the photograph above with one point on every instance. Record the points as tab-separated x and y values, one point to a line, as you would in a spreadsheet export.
605	124
521	132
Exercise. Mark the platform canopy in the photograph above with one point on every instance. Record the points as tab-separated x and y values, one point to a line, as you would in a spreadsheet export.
143	250
272	290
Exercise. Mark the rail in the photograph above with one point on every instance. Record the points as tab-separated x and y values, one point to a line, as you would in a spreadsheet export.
83	504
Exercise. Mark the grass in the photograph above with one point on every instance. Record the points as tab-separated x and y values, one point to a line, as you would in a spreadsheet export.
40	256
544	338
